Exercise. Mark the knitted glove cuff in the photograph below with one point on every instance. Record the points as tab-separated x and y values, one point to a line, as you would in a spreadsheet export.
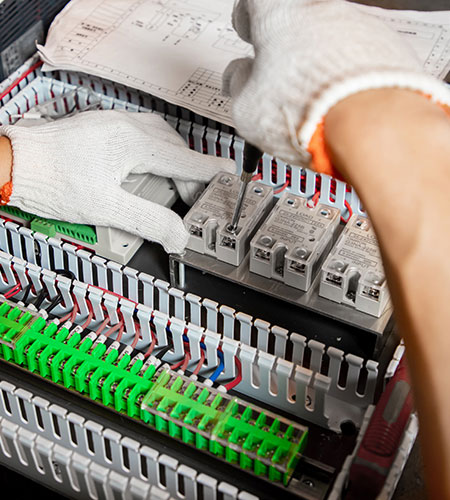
310	136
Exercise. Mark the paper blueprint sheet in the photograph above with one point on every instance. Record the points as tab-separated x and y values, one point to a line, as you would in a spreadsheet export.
177	49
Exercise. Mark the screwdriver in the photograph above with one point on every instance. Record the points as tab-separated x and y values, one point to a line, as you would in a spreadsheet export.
383	436
250	161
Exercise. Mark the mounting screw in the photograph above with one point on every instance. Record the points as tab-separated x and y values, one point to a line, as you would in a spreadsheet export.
226	180
266	241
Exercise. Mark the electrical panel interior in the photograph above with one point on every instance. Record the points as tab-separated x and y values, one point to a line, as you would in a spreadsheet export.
218	359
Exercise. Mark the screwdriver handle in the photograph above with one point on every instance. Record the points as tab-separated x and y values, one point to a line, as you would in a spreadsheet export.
382	438
250	161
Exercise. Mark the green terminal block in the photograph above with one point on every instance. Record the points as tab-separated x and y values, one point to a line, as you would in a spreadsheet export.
249	437
243	434
51	227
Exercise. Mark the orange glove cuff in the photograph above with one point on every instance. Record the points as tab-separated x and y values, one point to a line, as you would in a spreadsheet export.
317	148
5	193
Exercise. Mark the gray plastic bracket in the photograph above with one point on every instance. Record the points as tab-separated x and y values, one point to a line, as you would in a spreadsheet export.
179	302
198	132
212	343
64	285
80	291
281	336
194	309
116	271
49	279
211	138
195	334
100	266
147	282
44	250
317	350
144	314
299	343
160	321
71	252
211	314
209	486
229	348
34	273
4	244
163	296
30	248
20	268
228	321
132	283
15	238
177	328
96	297
86	266
111	302
245	323
127	309
263	328
58	255
5	263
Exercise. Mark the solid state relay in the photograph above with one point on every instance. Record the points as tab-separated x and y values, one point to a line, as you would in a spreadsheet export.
353	272
208	220
292	242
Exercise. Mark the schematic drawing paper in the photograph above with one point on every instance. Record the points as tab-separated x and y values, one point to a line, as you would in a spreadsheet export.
178	49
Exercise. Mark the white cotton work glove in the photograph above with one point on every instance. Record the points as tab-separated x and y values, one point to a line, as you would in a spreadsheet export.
310	54
72	170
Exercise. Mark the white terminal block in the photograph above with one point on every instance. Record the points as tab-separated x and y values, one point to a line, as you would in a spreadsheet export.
208	220
353	272
291	244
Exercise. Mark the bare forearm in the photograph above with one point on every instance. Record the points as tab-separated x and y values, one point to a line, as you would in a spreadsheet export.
394	147
6	159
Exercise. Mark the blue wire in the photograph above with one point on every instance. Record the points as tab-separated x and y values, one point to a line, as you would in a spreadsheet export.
219	369
221	365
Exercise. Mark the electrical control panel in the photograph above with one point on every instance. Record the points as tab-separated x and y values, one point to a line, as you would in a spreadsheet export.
291	243
192	395
209	219
353	272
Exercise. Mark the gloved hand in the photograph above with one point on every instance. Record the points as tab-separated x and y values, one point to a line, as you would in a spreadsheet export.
72	170
310	54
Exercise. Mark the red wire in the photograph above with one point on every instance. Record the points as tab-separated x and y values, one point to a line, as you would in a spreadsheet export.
113	293
153	343
315	198
114	328
21	77
187	358
350	211
90	315
72	314
200	363
238	378
74	311
177	365
137	335
282	188
14	291
102	326
119	335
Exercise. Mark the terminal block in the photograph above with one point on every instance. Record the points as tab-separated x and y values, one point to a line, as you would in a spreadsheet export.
292	242
242	434
353	272
209	219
